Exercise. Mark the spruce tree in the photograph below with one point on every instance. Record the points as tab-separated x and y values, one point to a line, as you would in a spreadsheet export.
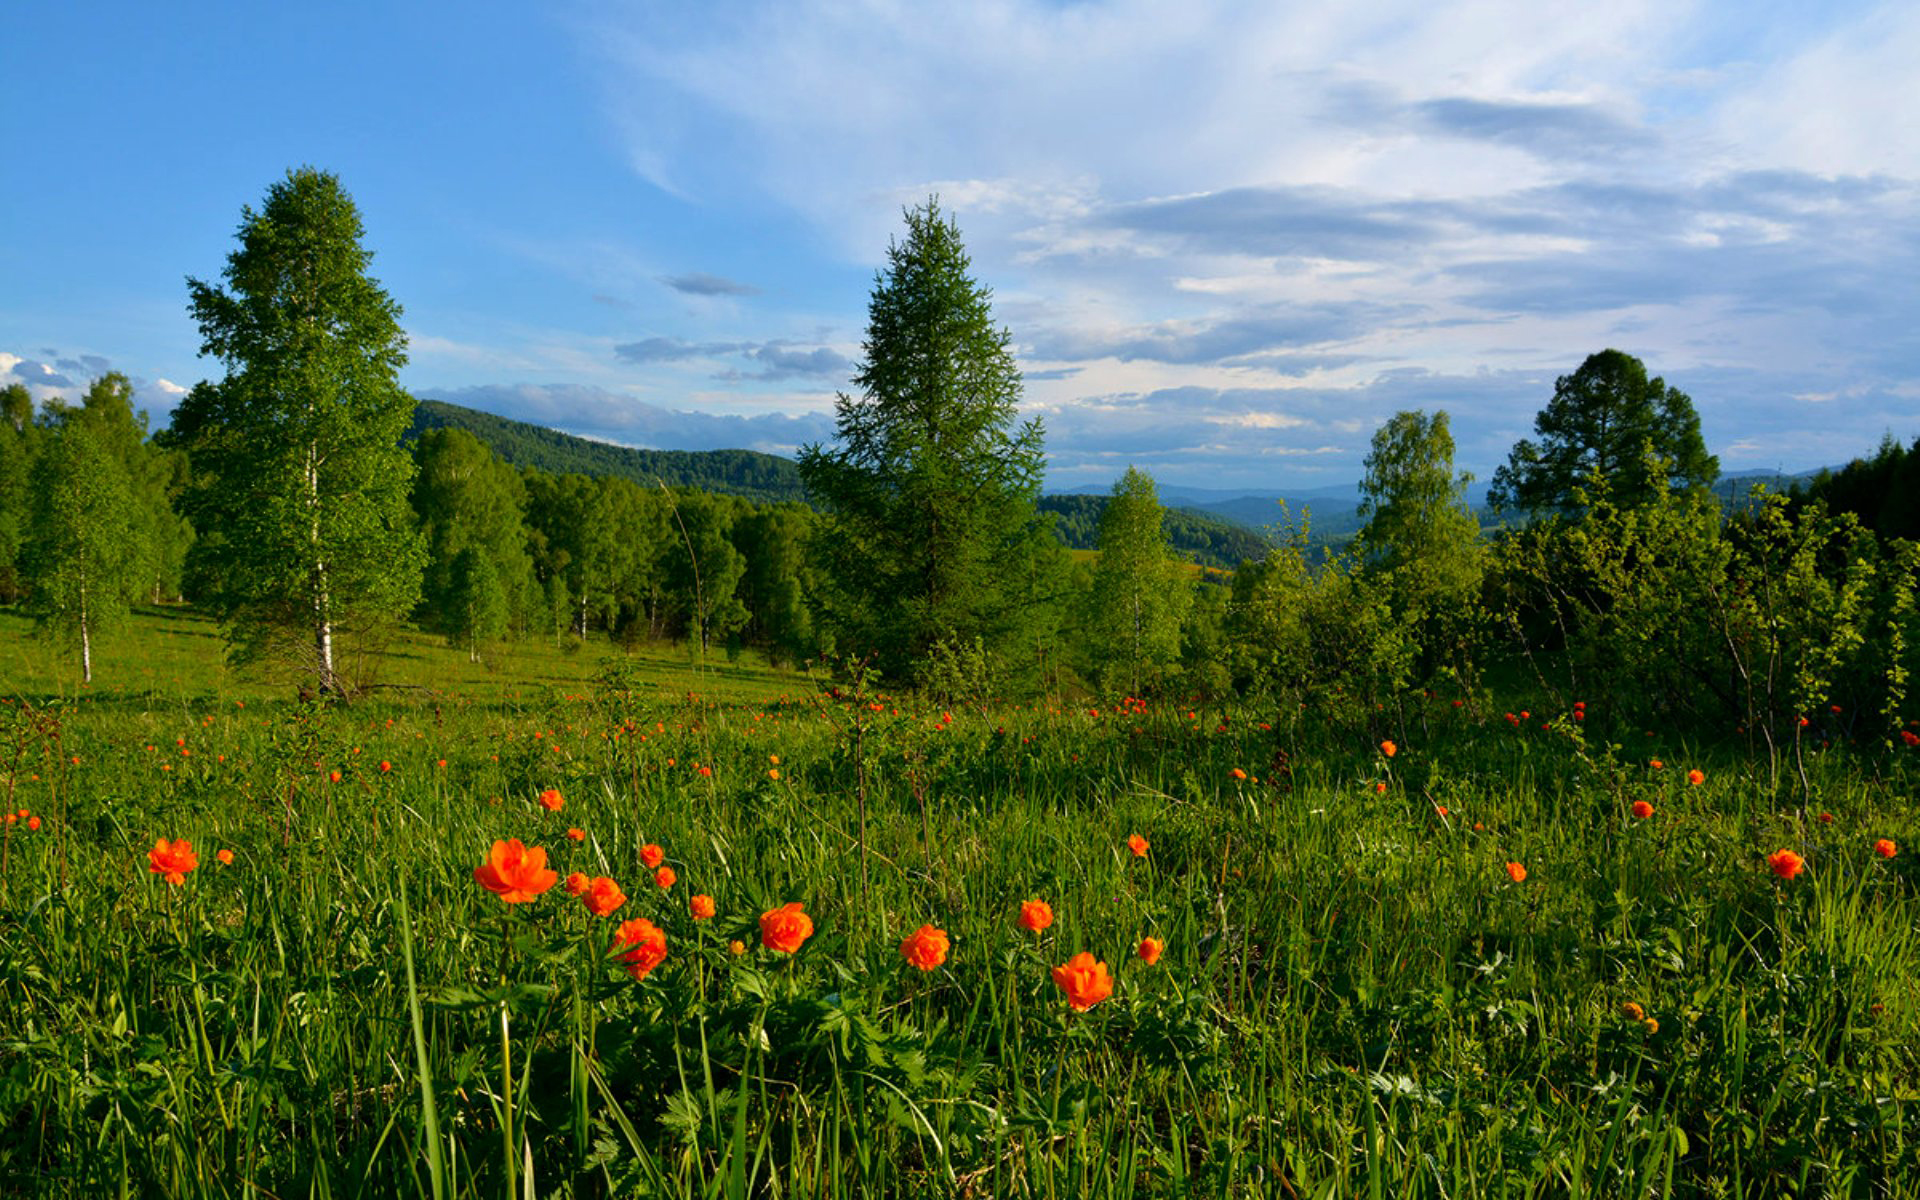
929	495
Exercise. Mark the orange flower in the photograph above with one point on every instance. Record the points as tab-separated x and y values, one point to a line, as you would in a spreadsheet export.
652	855
1035	915
172	859
551	801
1516	872
736	947
1632	1011
926	947
1885	848
1137	844
1389	749
1084	980
576	835
1656	764
385	766
1642	809
226	858
1786	864
577	883
1696	777
333	777
785	928
33	822
648	944
1150	949
701	907
706	772
603	895
1238	774
665	877
515	873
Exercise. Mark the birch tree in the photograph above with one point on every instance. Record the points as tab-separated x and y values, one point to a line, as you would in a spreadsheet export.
300	482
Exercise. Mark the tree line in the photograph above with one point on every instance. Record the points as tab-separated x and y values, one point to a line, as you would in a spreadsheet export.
301	499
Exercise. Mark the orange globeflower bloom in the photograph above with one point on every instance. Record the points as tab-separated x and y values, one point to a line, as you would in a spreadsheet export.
515	873
1035	915
385	766
926	947
1137	844
172	859
1696	777
576	835
1150	950
1885	848
1786	864
33	822
644	945
706	772
577	883
1085	981
736	947
1516	872
652	855
333	777
785	928
701	907
602	896
1389	749
1656	764
1642	809
665	877
225	857
1239	774
551	800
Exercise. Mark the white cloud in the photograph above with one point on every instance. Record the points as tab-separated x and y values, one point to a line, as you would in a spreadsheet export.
1287	198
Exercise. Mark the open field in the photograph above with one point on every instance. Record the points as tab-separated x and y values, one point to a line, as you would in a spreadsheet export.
1357	995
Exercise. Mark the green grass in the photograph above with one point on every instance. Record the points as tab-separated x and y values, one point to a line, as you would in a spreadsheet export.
1355	999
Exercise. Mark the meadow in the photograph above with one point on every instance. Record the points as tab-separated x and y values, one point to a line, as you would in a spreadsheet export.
1486	945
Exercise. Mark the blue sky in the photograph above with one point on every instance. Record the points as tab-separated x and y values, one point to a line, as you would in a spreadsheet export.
1229	239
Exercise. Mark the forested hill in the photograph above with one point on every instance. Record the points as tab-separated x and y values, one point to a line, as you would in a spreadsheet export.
1206	539
766	478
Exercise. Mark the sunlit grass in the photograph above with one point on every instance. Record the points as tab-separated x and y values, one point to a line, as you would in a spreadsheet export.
1355	998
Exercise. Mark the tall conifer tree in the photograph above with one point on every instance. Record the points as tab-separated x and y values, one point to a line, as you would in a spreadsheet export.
929	496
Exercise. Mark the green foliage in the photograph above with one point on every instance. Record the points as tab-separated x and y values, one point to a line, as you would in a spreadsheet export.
1599	426
929	522
476	607
300	483
779	580
1327	632
84	551
1198	537
1421	542
1141	593
466	498
18	438
702	569
1882	491
1617	607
